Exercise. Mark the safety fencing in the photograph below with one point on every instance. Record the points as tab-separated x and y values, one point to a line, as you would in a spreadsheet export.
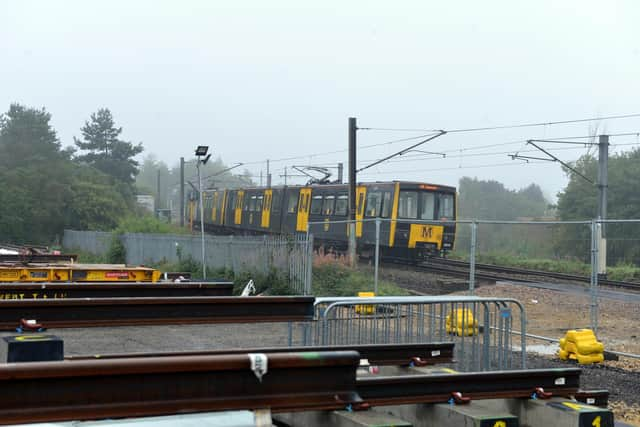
574	257
290	255
481	328
94	242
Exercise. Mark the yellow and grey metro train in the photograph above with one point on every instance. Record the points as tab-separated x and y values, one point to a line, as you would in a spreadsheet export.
289	210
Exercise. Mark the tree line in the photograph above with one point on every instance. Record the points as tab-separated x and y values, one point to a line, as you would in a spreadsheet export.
91	185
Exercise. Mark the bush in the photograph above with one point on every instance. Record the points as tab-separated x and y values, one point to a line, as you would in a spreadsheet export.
334	278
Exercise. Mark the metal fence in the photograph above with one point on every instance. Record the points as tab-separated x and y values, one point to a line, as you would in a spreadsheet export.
481	328
290	255
95	242
576	257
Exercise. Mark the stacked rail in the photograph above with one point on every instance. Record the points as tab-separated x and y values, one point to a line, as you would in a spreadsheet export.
300	381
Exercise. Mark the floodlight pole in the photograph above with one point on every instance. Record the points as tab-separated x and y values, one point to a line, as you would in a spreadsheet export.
204	265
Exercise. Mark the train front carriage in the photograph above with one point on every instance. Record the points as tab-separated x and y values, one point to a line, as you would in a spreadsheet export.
425	223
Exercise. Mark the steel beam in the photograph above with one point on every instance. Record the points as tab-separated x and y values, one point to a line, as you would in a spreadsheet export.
37	258
375	354
75	312
10	291
96	389
401	390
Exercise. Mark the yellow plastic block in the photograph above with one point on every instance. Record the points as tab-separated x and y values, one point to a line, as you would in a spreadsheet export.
581	345
365	308
590	358
461	322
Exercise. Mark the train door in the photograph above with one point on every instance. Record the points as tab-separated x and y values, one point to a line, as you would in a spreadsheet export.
214	208
361	193
223	203
266	208
394	214
304	202
237	220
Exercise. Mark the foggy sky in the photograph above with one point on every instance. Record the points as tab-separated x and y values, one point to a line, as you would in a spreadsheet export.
272	80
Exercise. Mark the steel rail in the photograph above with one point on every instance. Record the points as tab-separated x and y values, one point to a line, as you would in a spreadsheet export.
53	290
375	354
77	312
433	265
97	389
380	391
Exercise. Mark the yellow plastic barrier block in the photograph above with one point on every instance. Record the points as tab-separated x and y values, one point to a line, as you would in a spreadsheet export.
365	308
461	322
581	345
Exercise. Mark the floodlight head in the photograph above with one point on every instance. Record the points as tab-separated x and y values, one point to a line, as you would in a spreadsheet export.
202	150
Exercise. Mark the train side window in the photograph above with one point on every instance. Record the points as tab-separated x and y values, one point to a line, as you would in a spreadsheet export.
386	204
342	205
292	204
259	201
445	206
408	204
252	204
428	208
316	205
374	203
275	202
232	200
327	206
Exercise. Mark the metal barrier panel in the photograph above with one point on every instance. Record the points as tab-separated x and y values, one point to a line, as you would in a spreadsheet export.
481	328
95	242
290	255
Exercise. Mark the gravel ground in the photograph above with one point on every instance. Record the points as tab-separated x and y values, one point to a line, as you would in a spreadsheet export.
551	313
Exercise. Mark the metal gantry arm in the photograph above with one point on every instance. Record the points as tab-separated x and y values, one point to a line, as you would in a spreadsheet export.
406	150
551	158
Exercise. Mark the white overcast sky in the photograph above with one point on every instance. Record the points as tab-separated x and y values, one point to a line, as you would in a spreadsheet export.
278	79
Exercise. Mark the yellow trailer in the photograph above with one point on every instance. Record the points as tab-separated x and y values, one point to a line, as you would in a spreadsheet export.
76	273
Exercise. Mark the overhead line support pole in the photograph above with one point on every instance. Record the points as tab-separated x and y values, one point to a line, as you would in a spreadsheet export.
352	190
181	191
603	184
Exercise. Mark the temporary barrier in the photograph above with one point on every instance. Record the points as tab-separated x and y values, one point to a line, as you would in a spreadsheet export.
581	345
485	325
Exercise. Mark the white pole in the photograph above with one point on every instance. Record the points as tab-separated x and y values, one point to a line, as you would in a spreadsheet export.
204	265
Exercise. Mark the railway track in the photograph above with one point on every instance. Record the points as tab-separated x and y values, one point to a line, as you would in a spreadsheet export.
495	272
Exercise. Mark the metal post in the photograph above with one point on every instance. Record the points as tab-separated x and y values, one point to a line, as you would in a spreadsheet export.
268	175
594	277
352	190
309	272
377	260
181	191
158	193
340	172
603	183
472	258
204	264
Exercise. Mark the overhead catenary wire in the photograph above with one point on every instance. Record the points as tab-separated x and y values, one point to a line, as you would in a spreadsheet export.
513	126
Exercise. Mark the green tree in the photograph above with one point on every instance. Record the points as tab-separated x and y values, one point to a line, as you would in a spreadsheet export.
43	188
492	201
106	151
93	202
579	201
34	172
